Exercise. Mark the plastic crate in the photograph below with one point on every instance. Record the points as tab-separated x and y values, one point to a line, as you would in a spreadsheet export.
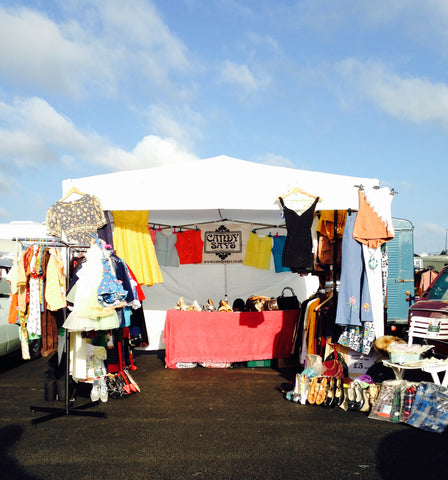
259	363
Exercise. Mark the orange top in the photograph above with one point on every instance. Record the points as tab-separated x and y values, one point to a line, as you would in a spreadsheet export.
369	228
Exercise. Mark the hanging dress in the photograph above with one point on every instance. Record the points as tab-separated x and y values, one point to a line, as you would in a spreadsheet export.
354	305
133	244
374	227
88	313
298	250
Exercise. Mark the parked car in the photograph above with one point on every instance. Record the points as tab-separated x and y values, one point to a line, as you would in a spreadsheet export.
434	304
9	333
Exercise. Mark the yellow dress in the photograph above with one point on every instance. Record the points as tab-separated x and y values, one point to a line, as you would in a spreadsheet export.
133	243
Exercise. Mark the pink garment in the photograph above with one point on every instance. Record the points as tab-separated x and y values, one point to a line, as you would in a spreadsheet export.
227	337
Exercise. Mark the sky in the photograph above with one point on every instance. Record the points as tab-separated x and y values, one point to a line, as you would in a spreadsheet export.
349	87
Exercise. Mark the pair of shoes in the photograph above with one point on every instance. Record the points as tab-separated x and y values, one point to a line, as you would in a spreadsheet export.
322	391
95	392
312	392
355	396
224	306
330	401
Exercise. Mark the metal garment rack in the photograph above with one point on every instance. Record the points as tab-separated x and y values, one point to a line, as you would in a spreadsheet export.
69	407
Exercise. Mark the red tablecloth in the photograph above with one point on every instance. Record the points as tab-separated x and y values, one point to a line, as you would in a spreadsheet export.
227	337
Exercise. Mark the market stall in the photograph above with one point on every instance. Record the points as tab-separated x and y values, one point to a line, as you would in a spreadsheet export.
218	193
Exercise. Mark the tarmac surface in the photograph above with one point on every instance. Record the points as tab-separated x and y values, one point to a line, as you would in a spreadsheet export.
203	424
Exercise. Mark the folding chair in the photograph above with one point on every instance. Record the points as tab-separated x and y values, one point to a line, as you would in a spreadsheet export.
427	328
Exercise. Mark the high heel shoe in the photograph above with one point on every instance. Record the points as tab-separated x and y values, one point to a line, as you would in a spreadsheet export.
344	402
366	405
331	398
359	397
338	393
351	398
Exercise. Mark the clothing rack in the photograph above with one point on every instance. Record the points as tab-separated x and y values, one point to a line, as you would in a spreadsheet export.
69	408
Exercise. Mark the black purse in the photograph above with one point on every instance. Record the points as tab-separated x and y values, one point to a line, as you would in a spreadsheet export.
289	302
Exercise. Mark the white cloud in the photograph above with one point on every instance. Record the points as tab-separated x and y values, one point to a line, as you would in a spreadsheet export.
243	78
185	128
36	135
151	151
409	98
238	75
34	51
100	45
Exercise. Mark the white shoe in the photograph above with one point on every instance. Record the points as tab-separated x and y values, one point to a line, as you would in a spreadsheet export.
104	395
95	392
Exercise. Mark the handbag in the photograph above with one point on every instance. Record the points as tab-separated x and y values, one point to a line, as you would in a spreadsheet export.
258	303
333	367
289	302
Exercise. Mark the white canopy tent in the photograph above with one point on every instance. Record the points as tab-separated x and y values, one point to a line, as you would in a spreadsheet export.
216	190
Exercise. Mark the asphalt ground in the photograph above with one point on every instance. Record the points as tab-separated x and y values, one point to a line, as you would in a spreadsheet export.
203	424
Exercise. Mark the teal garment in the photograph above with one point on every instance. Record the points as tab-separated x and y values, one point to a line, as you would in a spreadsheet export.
277	253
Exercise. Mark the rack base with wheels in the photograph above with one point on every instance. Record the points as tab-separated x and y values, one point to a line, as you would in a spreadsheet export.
69	408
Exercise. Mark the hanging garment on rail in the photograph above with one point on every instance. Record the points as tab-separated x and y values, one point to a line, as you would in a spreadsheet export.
77	219
354	305
258	252
189	246
374	227
165	249
88	313
277	253
133	244
298	250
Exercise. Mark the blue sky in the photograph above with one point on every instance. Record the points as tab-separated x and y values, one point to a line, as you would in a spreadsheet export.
340	86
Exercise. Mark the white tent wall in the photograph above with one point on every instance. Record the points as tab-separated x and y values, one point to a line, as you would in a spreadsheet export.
213	190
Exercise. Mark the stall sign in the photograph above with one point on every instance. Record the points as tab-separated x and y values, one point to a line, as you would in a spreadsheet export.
224	244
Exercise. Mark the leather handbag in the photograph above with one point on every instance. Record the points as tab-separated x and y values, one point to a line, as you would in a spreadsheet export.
258	303
333	367
288	302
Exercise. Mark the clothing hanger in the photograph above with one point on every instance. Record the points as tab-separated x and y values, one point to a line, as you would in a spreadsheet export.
71	191
330	296
299	190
